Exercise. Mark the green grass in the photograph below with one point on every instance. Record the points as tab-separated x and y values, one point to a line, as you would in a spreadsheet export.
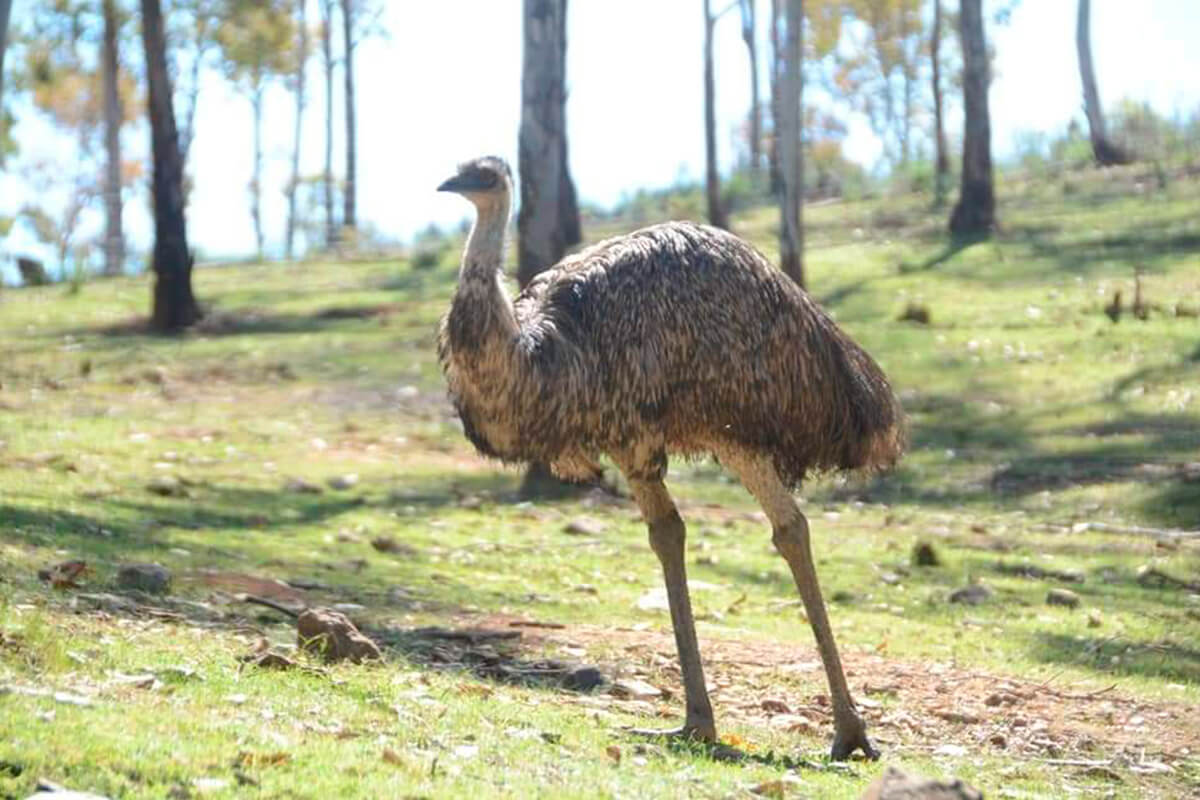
1030	413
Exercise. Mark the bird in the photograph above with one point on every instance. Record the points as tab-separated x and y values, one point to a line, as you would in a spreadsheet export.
678	339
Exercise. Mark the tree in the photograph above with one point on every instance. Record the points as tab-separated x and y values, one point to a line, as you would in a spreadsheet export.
298	87
942	159
1105	152
975	212
791	223
114	235
192	27
712	181
349	193
72	67
548	222
256	40
175	306
5	9
749	36
327	62
776	79
879	67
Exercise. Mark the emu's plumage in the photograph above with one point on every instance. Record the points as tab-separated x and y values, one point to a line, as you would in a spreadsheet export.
679	337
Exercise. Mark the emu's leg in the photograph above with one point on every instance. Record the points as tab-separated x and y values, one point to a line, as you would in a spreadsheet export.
791	539
667	535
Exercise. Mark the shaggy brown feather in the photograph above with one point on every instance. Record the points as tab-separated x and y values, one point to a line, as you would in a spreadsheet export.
677	338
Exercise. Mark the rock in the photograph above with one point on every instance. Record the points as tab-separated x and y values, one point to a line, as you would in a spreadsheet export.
583	679
343	482
332	636
896	784
637	689
149	578
1094	619
167	486
971	595
388	544
773	705
925	556
914	312
584	526
1062	597
301	486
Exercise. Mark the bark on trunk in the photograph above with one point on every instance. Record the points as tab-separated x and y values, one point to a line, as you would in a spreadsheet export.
188	132
301	99
776	80
1105	152
749	36
114	236
716	214
349	197
175	306
327	181
548	222
942	165
975	213
791	143
256	99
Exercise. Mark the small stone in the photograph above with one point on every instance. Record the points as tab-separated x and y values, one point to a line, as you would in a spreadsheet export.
301	486
1094	619
331	635
167	486
583	679
925	556
343	482
637	689
149	578
1062	597
584	526
890	578
972	595
773	705
896	784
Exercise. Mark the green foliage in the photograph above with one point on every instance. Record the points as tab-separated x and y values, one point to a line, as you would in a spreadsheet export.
257	41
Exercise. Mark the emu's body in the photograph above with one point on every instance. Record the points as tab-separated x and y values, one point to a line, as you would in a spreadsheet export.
677	338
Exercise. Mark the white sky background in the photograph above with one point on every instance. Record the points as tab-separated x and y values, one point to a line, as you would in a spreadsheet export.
444	85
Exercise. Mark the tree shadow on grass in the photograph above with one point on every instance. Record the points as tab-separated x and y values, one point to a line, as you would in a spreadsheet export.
952	248
250	321
1119	655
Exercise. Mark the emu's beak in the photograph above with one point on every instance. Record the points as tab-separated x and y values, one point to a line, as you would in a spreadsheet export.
453	184
463	182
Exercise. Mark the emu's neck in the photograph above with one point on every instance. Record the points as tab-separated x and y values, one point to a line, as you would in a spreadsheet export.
482	307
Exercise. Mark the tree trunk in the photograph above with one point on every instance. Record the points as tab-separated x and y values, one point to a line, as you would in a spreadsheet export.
548	222
5	8
256	100
716	214
188	132
975	213
114	236
942	166
791	143
327	181
749	36
776	80
350	211
1105	152
175	306
294	183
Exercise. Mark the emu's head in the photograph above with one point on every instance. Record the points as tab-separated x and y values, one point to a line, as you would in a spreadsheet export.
486	182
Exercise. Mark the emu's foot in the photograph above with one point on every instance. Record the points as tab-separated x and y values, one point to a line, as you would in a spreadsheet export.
851	735
690	732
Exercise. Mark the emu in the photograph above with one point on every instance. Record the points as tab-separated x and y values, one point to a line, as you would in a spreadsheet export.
681	339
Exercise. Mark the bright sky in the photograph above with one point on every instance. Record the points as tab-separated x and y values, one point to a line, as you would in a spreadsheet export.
444	86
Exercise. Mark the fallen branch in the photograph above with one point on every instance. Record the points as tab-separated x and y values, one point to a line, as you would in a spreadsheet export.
1135	530
1150	576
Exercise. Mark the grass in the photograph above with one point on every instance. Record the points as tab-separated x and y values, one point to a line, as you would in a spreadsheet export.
1030	413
